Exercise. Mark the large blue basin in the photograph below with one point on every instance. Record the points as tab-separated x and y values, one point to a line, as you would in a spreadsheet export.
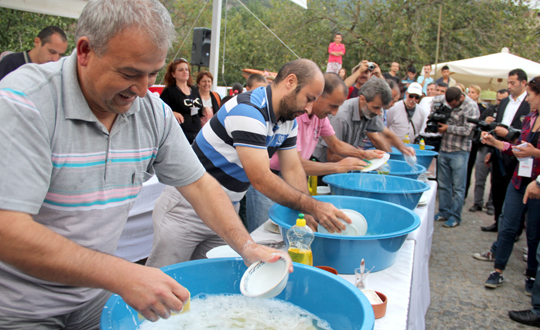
324	294
402	169
423	157
388	226
417	146
402	191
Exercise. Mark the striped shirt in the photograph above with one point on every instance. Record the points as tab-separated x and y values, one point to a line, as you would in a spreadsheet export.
247	120
60	164
458	135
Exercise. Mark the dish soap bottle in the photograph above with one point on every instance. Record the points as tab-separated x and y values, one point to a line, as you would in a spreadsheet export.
312	185
300	237
406	139
422	144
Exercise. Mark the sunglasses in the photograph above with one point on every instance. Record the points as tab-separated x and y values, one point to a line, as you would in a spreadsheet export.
180	59
533	81
414	96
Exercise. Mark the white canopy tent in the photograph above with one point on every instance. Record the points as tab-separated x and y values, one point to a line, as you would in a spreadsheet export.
489	71
65	8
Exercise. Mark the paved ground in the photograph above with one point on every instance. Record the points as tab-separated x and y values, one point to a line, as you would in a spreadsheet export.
459	299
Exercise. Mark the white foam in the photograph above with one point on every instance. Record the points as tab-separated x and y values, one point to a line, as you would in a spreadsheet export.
239	312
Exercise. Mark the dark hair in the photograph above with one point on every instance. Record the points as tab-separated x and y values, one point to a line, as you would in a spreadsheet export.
45	34
237	87
169	79
333	81
338	34
452	94
534	84
411	69
521	75
432	83
392	84
304	70
255	78
376	87
202	74
503	91
225	99
442	84
445	68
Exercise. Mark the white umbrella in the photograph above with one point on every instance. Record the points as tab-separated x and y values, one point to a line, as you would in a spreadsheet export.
489	71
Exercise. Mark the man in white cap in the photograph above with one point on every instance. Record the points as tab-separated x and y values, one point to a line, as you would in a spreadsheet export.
406	117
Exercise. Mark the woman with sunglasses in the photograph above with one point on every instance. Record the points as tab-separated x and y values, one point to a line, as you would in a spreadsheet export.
527	150
183	99
211	100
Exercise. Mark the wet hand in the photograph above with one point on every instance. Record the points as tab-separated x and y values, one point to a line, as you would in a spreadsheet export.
370	154
253	252
351	164
328	216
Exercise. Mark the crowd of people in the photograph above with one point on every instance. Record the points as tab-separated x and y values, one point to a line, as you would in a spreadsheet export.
85	134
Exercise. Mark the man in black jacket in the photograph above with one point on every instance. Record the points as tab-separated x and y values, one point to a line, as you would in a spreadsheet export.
512	110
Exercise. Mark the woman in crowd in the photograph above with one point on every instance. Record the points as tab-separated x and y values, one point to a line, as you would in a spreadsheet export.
461	86
528	149
473	92
211	100
184	100
342	73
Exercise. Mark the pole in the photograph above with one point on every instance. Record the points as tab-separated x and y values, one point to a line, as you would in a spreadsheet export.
438	38
214	41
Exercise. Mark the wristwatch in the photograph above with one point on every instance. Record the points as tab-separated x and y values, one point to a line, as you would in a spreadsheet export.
538	181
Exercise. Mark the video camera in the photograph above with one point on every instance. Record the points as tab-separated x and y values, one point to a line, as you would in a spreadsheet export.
490	128
439	116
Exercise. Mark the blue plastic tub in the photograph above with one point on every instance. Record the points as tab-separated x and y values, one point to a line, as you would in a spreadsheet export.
417	146
402	169
324	294
388	226
402	191
423	157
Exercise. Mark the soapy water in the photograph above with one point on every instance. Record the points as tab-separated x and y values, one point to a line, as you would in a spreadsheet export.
239	312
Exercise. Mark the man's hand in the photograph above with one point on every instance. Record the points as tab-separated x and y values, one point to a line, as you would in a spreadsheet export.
408	151
151	292
350	164
442	128
532	192
178	117
501	131
488	139
377	71
371	154
253	252
328	216
489	119
487	160
528	151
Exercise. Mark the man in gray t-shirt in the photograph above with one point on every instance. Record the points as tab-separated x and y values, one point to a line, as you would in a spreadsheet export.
79	137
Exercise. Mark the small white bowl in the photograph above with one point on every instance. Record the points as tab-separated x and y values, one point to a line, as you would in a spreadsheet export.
357	228
264	280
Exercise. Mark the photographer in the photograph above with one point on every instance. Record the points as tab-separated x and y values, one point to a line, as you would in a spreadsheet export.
360	74
450	112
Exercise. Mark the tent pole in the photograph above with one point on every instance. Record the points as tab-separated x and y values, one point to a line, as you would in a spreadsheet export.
438	38
214	39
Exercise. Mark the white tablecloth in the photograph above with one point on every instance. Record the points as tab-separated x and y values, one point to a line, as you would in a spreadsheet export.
136	240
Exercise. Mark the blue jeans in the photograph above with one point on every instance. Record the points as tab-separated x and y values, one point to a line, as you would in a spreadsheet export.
513	210
257	206
535	300
452	176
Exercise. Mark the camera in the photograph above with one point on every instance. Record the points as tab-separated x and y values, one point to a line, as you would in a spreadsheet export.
483	126
371	66
439	116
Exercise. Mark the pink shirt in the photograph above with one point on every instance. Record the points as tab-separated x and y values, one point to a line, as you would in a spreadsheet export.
335	48
309	131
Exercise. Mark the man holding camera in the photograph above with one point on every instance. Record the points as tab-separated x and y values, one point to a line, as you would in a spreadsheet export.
361	73
450	112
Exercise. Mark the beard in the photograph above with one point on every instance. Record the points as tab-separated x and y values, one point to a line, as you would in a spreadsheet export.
368	114
289	108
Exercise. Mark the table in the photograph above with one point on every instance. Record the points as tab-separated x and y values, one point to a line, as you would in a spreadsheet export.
136	240
415	303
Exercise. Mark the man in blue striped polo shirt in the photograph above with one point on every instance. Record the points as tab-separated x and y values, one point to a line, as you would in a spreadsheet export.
235	148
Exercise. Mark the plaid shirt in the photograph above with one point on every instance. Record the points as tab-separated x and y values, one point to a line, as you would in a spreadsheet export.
458	135
526	134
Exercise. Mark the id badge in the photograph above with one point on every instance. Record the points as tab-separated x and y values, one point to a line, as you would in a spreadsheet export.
194	111
525	167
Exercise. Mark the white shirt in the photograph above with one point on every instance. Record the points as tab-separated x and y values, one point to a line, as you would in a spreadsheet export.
207	103
398	122
512	108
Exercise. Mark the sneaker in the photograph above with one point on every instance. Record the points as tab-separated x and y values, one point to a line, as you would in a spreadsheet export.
494	280
525	257
450	223
490	211
527	317
484	256
475	208
439	218
529	283
526	249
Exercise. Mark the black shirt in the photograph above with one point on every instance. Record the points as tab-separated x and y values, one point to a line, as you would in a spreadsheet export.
387	75
12	61
182	103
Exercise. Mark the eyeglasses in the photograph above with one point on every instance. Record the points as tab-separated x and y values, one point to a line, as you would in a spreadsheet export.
414	96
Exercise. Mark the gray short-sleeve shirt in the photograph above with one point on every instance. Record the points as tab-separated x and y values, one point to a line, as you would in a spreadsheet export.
350	127
61	165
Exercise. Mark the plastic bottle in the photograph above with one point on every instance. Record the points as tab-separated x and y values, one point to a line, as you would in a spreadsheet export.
422	144
312	185
406	139
300	237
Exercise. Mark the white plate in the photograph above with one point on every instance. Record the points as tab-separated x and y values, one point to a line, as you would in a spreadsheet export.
357	228
424	199
223	251
272	227
376	163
